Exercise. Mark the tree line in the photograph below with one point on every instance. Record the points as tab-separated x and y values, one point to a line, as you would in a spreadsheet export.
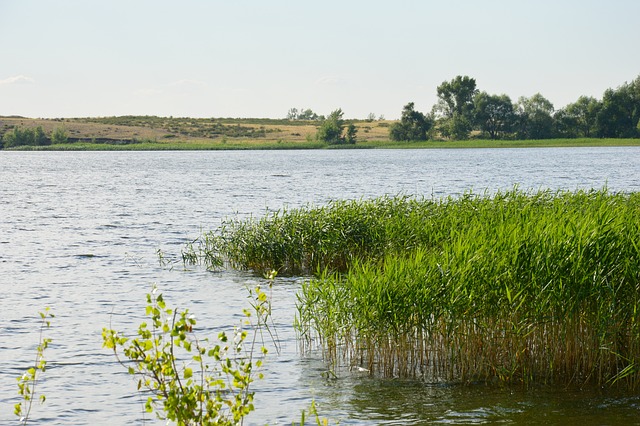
462	111
33	136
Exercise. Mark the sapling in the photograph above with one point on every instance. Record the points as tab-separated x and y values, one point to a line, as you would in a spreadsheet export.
28	381
192	380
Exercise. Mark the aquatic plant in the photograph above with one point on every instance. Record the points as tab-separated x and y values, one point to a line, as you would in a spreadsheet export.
518	287
305	240
530	288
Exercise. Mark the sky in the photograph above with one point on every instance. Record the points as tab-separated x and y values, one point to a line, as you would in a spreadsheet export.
250	58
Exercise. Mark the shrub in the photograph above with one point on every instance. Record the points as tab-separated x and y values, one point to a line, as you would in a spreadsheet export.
59	136
190	380
25	136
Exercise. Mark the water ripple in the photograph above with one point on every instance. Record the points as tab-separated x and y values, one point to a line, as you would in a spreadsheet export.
81	231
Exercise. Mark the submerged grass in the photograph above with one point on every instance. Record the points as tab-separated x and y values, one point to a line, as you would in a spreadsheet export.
517	287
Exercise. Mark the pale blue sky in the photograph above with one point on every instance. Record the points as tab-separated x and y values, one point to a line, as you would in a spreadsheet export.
245	58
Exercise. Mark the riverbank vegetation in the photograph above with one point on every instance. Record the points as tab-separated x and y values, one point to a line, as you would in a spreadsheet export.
462	113
516	287
364	141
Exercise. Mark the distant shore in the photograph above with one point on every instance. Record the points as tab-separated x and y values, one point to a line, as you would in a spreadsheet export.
158	133
287	145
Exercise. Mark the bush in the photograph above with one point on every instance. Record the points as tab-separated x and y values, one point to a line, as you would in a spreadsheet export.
413	125
331	130
191	380
59	135
25	136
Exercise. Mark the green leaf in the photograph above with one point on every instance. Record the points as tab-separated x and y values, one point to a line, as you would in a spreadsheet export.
188	373
149	405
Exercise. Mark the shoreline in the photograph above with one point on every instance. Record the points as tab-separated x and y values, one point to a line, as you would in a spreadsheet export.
253	144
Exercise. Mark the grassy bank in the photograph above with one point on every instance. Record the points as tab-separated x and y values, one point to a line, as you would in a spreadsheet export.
259	144
203	145
481	143
174	133
518	287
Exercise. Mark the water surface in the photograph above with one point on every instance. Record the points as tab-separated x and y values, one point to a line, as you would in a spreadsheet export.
79	233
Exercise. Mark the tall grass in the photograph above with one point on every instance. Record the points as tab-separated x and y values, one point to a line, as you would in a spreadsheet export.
525	287
518	287
304	241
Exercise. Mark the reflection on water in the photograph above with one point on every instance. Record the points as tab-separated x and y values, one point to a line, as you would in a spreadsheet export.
79	233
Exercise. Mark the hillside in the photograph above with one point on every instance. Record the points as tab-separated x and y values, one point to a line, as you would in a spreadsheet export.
132	129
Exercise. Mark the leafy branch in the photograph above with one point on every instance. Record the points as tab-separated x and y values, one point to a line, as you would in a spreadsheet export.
28	381
193	381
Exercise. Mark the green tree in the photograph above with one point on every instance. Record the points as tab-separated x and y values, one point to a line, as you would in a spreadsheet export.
302	114
25	136
493	114
455	106
585	111
308	114
578	119
565	125
620	111
332	127
292	114
351	135
12	138
457	96
413	125
534	117
59	135
18	137
39	137
458	127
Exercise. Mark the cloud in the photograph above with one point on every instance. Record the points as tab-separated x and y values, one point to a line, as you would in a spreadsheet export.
18	79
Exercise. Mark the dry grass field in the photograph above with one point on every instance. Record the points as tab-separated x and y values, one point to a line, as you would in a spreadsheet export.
191	130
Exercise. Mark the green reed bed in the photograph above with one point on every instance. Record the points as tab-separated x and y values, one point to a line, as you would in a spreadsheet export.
534	288
303	241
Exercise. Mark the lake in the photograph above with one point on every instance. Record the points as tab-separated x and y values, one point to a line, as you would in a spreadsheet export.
79	233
